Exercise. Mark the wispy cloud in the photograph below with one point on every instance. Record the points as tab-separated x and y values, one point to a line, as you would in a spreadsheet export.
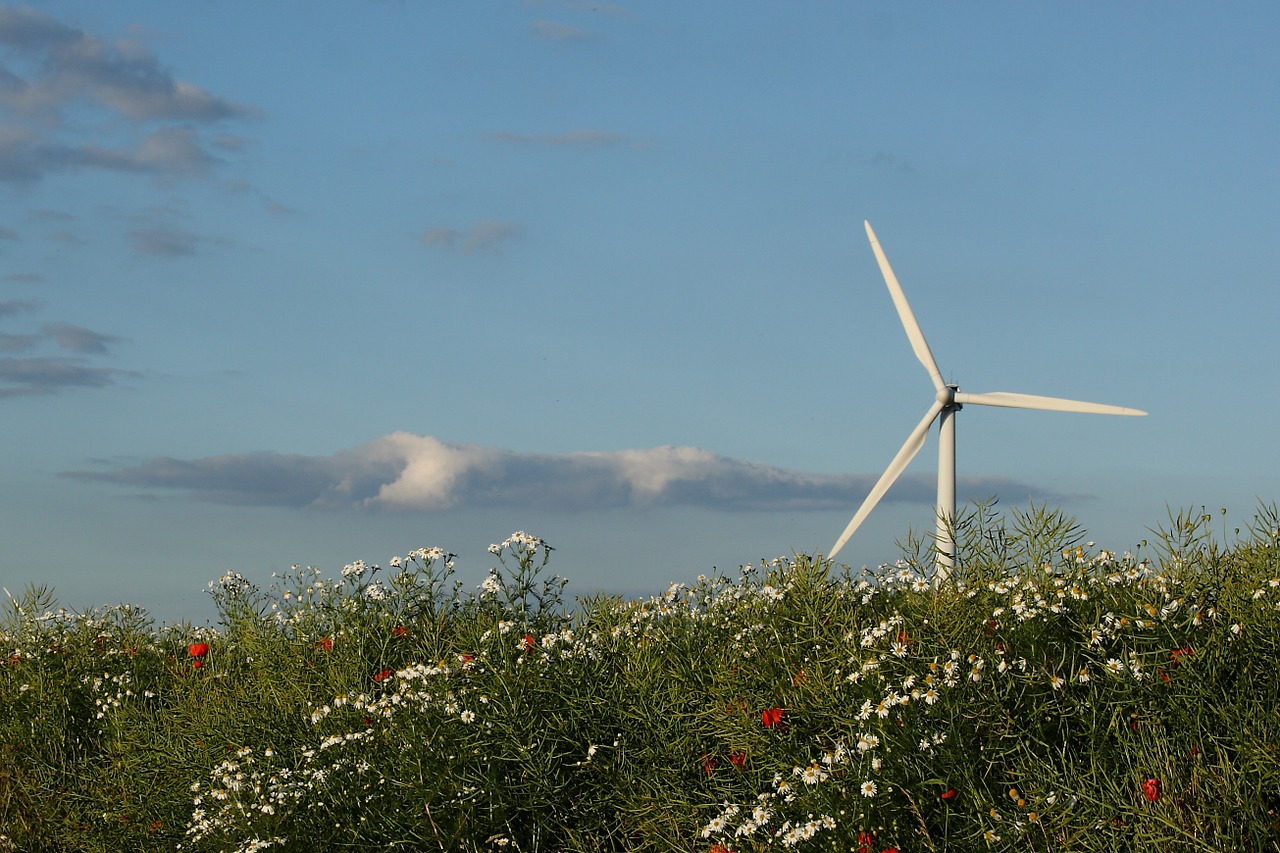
404	471
25	277
232	142
276	207
51	68
164	242
558	31
67	238
574	138
173	152
614	10
21	377
44	375
18	306
78	339
19	343
888	162
46	214
480	237
280	208
124	77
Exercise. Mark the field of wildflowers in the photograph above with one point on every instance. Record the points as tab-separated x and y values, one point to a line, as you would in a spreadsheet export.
1048	696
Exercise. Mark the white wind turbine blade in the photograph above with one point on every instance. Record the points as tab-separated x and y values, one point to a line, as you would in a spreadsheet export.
1010	400
918	343
908	452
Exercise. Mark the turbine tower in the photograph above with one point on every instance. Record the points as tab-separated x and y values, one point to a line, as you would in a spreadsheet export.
947	400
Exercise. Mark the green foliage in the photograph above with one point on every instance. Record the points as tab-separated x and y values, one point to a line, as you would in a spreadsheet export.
1046	696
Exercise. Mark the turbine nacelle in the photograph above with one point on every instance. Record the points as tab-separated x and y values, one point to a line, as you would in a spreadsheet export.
948	400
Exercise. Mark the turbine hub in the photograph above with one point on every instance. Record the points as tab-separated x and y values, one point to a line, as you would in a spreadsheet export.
947	394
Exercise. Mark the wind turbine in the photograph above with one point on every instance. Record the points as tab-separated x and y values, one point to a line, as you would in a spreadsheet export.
948	400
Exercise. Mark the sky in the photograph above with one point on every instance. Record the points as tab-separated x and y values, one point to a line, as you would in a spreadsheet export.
311	282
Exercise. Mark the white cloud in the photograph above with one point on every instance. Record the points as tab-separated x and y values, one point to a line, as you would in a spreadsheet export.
431	472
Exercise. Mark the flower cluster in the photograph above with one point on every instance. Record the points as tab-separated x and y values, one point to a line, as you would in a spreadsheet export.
794	706
519	543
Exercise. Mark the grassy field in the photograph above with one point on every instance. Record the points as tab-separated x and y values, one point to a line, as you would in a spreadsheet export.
1048	696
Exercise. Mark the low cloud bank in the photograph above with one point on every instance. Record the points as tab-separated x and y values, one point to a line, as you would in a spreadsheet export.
404	471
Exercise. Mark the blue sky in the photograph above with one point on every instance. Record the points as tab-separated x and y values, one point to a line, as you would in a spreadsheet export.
311	282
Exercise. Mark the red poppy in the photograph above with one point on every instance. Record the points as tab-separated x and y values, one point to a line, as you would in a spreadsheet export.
198	650
1151	789
772	717
1195	750
889	850
526	642
719	848
384	675
738	759
1178	654
949	794
325	644
399	631
197	663
797	678
709	764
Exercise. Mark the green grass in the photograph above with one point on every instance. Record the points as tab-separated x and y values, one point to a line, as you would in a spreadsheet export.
1048	696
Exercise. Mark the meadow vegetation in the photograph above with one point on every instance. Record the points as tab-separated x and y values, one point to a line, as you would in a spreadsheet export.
1048	696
